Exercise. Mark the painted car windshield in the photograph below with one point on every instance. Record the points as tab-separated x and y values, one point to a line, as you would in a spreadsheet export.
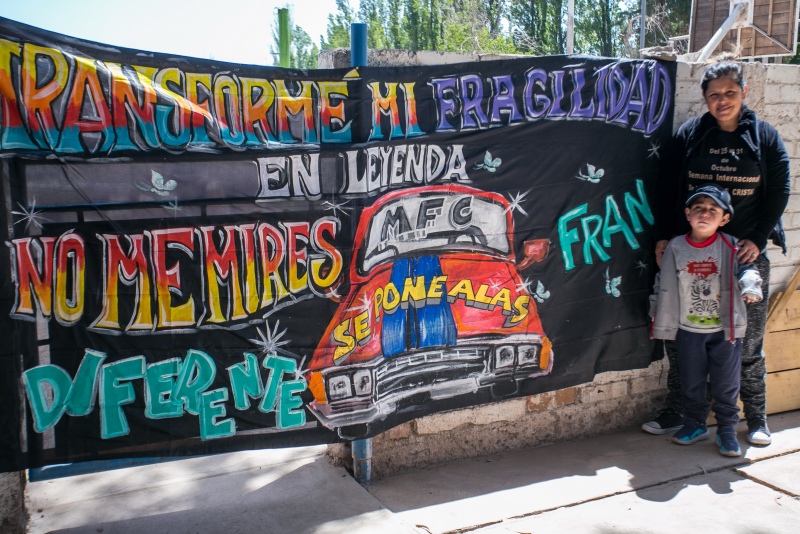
436	223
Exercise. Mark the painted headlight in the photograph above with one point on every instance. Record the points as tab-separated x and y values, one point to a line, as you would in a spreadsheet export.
339	387
529	355
362	381
504	356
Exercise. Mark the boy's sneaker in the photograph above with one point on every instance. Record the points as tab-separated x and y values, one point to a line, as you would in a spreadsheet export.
690	432
758	433
667	421
727	442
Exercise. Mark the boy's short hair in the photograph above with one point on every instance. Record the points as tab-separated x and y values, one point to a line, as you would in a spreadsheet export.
719	195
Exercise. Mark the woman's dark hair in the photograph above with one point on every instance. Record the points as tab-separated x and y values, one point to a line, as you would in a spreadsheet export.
723	69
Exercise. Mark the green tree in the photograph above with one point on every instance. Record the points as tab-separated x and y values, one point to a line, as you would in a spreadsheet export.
422	23
302	51
374	14
538	26
468	27
339	26
599	27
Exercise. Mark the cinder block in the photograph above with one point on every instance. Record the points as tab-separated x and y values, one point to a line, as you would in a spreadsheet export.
786	126
565	397
684	71
780	114
542	401
613	376
779	277
793	238
784	74
777	259
789	93
772	94
593	394
648	384
509	410
398	432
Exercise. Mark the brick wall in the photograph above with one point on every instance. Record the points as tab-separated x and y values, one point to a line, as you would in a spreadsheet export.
613	400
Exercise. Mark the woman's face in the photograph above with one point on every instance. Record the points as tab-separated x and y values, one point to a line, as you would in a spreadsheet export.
724	99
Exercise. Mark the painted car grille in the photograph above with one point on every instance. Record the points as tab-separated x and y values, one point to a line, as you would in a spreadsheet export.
412	371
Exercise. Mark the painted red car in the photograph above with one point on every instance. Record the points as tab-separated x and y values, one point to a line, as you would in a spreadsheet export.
436	308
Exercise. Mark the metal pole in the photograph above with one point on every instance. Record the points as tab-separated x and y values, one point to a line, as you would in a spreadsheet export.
362	448
285	37
358	44
362	458
570	26
642	24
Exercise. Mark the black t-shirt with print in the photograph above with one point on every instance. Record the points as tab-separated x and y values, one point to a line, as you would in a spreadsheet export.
725	159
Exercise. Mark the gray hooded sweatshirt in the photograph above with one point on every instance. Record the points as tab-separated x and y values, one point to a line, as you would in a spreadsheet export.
700	288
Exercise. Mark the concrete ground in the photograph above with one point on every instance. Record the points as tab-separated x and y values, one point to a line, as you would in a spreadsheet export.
623	482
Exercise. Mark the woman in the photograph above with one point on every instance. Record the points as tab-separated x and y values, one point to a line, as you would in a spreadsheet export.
728	146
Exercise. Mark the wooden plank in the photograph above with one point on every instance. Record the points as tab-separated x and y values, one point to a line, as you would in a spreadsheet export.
773	300
789	317
783	391
782	350
783	394
783	301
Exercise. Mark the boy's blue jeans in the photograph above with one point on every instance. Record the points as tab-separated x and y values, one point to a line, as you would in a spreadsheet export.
715	357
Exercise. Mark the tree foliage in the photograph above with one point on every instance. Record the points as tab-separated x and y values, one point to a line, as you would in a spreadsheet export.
303	52
539	27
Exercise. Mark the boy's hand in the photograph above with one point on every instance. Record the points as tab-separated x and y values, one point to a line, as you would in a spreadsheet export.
750	298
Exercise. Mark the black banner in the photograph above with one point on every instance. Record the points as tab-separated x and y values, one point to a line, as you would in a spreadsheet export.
206	257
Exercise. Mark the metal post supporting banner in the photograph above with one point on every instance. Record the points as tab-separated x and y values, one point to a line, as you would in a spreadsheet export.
284	37
642	24
358	44
362	448
362	460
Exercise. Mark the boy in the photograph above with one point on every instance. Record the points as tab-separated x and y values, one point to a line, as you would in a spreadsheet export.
696	302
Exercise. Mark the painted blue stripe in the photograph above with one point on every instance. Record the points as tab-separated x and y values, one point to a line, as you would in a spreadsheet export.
393	337
435	323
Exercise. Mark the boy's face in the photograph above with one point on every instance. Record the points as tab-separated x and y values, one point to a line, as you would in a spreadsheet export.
705	217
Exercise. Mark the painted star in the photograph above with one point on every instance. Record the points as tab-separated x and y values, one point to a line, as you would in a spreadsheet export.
333	206
653	151
172	205
29	215
495	285
270	340
363	306
524	286
516	200
298	371
642	266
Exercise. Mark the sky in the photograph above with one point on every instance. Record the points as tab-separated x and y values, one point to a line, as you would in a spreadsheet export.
237	31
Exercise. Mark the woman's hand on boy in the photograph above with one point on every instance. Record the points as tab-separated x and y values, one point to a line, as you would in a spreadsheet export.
750	298
748	251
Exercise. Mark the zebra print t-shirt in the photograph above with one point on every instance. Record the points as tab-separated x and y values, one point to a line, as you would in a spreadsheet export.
698	266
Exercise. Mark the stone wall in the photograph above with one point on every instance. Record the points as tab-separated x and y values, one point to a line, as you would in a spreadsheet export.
12	511
613	400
